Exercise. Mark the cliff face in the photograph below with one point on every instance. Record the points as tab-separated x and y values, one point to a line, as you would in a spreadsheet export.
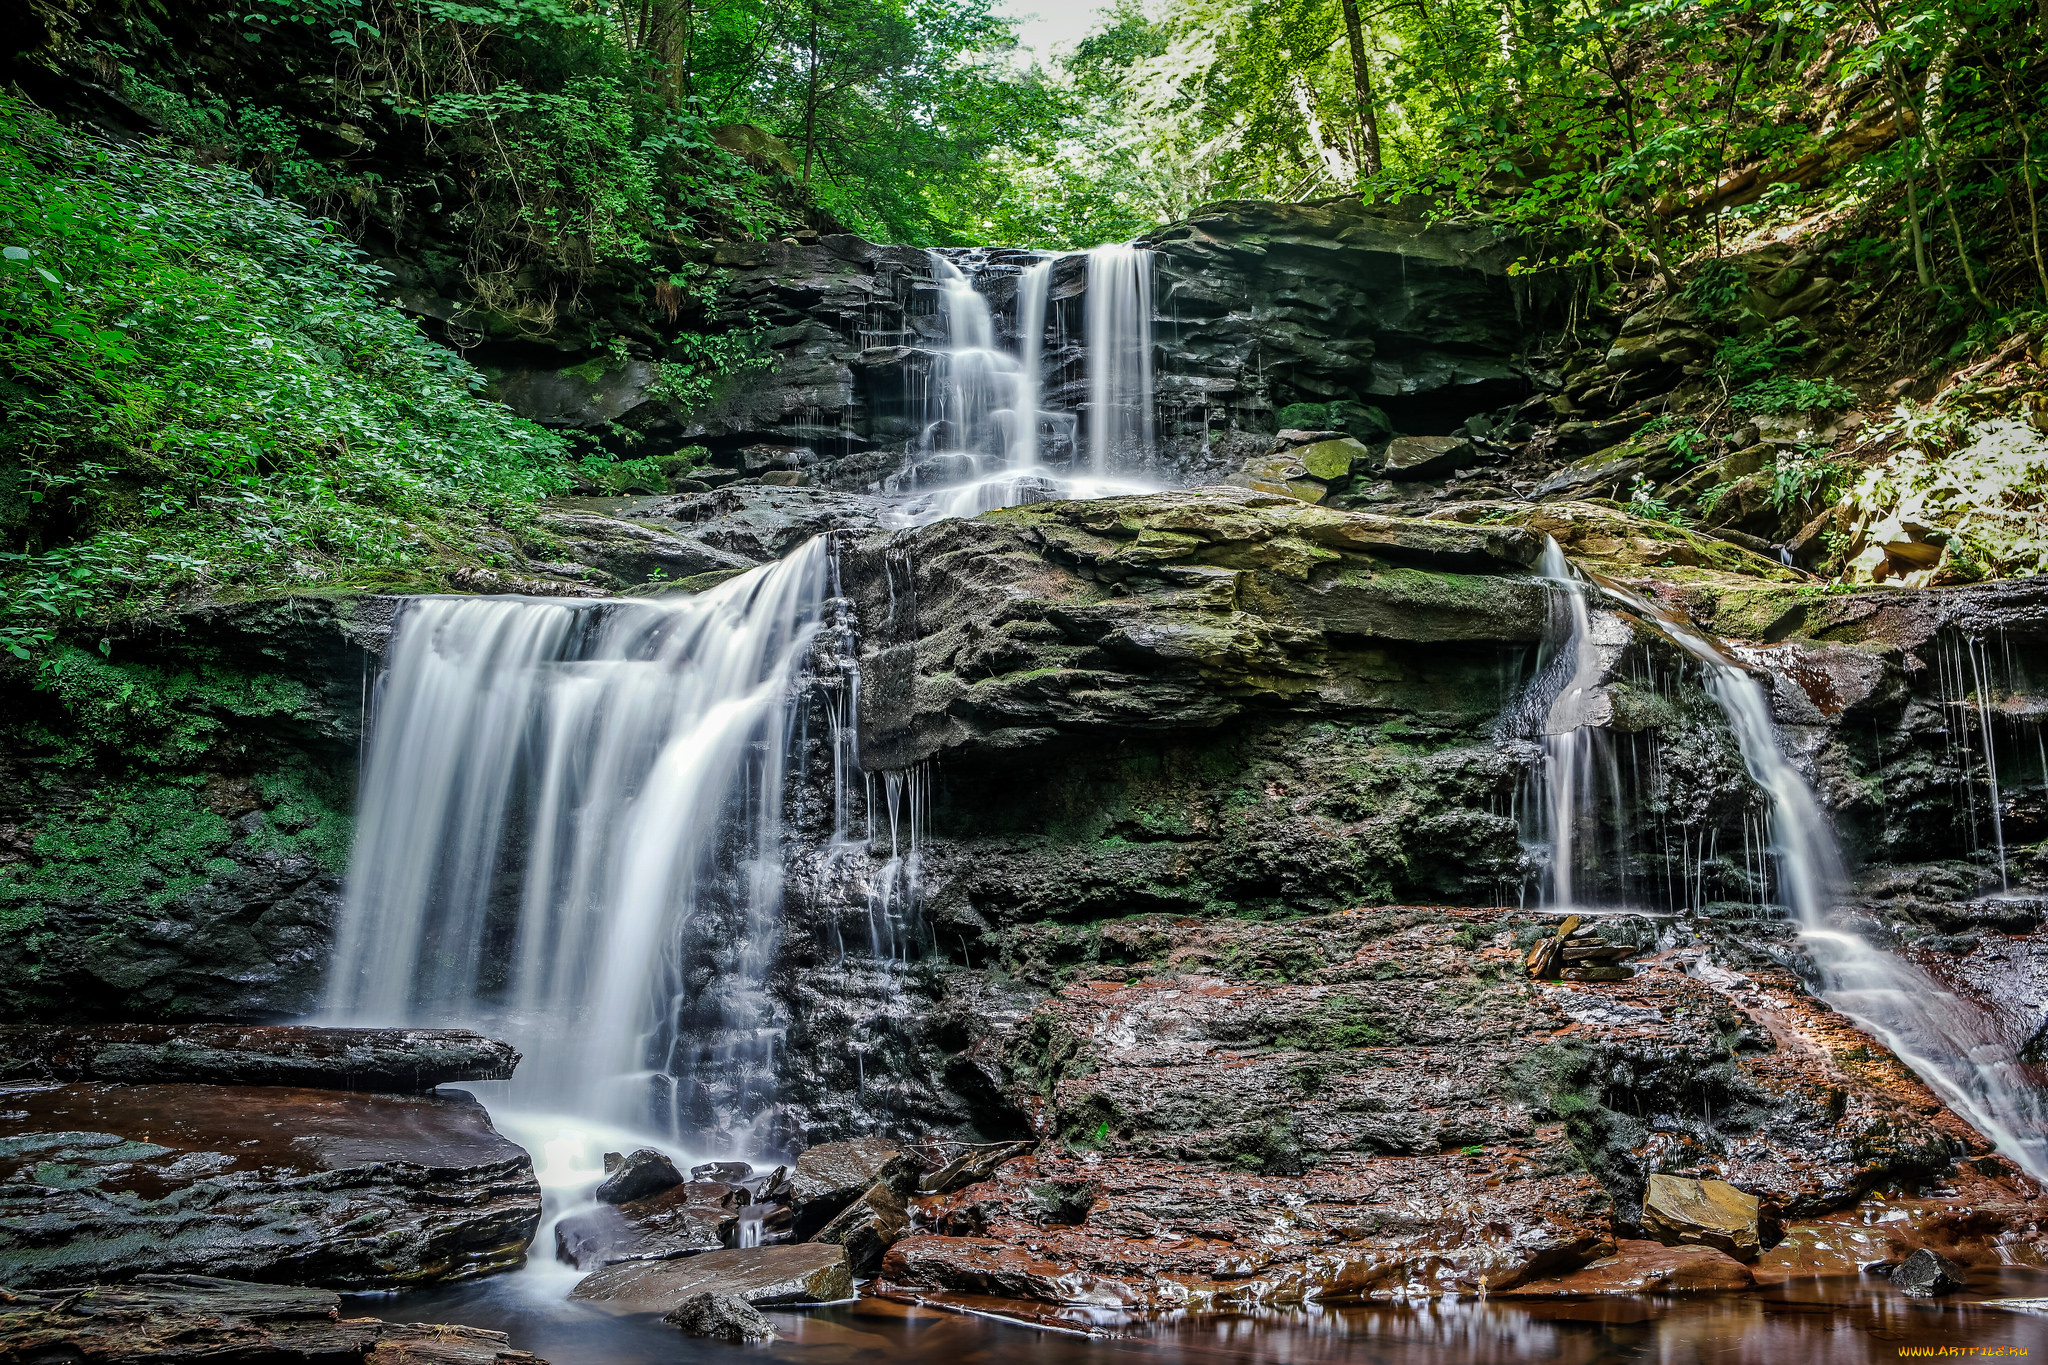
1257	306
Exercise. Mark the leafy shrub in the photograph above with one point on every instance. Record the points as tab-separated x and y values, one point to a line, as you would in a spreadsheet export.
1716	289
199	389
1744	359
1781	395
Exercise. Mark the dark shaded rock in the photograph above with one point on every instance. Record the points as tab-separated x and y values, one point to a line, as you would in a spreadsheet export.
1928	1274
867	1228
174	1319
1415	458
679	1221
1063	1201
831	1175
644	1172
723	1317
761	524
973	1164
261	1183
729	1172
390	1059
805	1272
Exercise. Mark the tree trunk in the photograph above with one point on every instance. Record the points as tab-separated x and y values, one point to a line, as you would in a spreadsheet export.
1361	82
811	100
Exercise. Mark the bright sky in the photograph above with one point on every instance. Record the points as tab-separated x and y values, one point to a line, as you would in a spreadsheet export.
1050	23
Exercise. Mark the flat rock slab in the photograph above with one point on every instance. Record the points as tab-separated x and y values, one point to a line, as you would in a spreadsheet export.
1639	1267
274	1183
402	1060
173	1319
806	1272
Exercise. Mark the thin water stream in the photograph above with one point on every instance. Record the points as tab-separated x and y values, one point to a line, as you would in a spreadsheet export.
1953	1044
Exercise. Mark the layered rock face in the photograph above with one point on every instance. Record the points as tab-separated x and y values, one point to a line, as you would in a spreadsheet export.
1258	307
271	1183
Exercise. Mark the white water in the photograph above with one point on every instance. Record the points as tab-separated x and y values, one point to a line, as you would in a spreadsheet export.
1951	1043
552	792
984	443
1569	741
1119	336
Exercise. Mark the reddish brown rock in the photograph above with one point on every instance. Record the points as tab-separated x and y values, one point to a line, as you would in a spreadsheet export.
1162	1234
1639	1267
267	1183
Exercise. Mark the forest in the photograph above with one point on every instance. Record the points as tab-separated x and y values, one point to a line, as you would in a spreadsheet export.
534	149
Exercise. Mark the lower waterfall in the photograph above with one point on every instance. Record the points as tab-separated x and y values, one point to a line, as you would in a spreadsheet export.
553	791
1944	1038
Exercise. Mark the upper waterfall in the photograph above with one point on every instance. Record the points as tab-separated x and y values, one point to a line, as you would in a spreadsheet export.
989	437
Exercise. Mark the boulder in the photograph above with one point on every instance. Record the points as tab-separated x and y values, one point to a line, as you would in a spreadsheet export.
1681	1212
390	1059
801	1273
643	1173
269	1183
730	1172
1928	1274
832	1175
679	1221
1411	459
722	1317
867	1228
1333	460
195	1319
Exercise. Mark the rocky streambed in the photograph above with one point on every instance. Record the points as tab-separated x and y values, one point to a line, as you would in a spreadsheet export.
1193	956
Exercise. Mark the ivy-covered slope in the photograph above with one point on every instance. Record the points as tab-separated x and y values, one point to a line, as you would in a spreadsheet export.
200	392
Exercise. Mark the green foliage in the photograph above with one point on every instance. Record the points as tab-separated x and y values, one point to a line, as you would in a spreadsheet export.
202	391
1801	477
1781	394
1760	354
1716	289
1644	502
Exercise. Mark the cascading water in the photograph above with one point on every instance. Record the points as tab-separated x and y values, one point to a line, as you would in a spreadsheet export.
984	440
1948	1041
1570	739
553	792
1119	335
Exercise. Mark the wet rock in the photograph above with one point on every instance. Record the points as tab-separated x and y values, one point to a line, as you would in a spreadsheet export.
1639	1267
723	1317
262	1183
867	1228
1678	1211
1928	1274
1412	459
832	1175
972	1164
800	1273
762	524
730	1172
181	1319
680	1221
1175	612
631	552
1063	1201
644	1172
393	1059
1171	1234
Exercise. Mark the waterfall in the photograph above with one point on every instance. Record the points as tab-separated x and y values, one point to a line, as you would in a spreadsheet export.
1948	1041
1119	337
553	791
1569	737
982	444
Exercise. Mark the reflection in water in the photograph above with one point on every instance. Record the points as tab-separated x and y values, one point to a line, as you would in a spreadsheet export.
1805	1322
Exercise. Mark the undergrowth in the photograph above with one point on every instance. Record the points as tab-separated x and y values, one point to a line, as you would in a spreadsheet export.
199	389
